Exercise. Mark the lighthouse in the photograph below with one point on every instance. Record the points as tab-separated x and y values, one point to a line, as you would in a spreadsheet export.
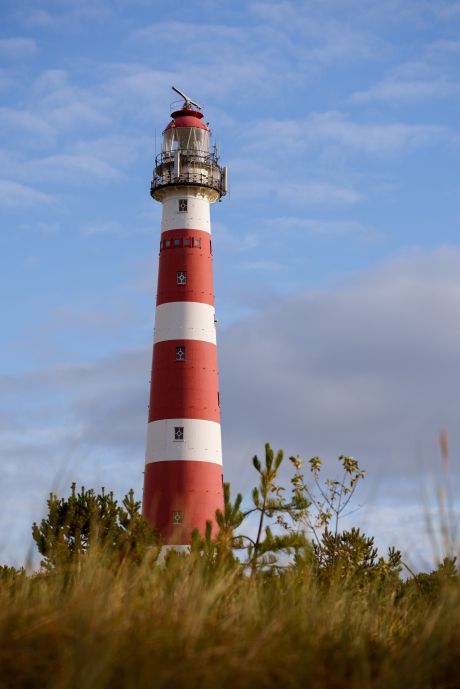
183	481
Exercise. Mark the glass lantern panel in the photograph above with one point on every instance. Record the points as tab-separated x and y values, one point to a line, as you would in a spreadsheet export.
187	139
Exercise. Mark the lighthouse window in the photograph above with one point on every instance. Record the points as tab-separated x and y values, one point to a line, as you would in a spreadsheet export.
177	517
177	242
180	353
181	277
167	243
182	205
179	433
197	242
186	242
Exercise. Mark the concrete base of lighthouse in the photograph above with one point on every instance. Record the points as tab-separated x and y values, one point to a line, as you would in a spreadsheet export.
187	495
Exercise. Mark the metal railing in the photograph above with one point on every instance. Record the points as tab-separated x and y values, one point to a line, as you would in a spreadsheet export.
188	155
197	168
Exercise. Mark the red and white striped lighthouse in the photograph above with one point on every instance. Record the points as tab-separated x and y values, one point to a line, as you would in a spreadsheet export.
183	484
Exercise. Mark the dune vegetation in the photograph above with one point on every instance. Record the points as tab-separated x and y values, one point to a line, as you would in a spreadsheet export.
295	602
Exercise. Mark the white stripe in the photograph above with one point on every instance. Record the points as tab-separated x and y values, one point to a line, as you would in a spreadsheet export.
201	443
196	217
185	320
165	549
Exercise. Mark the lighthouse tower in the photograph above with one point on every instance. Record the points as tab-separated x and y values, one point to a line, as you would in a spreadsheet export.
183	484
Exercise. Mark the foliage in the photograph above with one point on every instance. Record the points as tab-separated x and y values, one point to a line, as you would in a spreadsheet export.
85	519
282	522
332	497
219	552
295	602
432	585
285	520
351	555
270	503
181	625
10	575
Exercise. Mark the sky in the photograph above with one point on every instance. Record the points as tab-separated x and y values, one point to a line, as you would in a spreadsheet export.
336	255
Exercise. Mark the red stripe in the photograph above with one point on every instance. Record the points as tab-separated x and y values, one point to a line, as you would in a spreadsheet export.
188	233
184	389
194	490
196	262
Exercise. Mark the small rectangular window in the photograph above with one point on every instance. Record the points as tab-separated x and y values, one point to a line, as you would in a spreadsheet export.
177	242
179	433
162	244
210	247
183	205
181	277
218	399
186	241
197	242
180	353
177	517
167	243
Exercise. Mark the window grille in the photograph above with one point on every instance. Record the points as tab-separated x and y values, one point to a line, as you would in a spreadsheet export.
183	205
177	517
179	433
180	353
181	277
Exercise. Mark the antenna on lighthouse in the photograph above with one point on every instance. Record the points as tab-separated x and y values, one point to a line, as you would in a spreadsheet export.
188	101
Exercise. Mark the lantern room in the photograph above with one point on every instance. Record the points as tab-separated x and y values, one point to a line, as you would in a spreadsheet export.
186	156
186	132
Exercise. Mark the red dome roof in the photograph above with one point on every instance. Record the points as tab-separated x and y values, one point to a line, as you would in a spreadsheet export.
187	118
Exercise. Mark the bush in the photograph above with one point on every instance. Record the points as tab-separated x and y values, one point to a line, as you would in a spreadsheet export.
86	520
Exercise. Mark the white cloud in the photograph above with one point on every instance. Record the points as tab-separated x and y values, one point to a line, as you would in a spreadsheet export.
15	195
64	105
367	368
261	180
112	227
70	166
335	128
317	193
429	77
226	240
39	18
144	90
446	45
450	11
203	32
119	150
16	48
53	106
328	229
399	90
61	16
26	121
325	36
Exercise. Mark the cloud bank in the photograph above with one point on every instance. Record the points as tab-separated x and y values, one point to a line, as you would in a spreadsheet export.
367	368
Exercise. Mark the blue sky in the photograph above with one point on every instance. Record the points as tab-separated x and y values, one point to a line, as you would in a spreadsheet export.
337	264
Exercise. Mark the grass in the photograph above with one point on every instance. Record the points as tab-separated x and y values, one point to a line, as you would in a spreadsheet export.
179	624
106	613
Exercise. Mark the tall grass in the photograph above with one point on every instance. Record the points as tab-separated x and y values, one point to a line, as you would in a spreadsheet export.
179	624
